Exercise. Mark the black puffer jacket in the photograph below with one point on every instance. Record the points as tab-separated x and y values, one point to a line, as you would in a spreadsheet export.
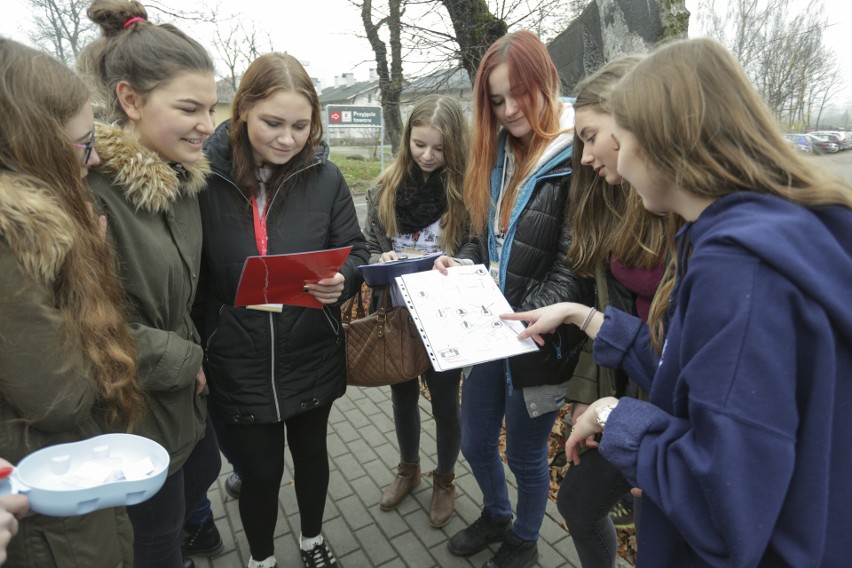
267	367
533	268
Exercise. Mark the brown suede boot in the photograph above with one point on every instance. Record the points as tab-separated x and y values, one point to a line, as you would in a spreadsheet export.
407	478
443	498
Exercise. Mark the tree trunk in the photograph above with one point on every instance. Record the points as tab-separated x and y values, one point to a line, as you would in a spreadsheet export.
390	77
476	28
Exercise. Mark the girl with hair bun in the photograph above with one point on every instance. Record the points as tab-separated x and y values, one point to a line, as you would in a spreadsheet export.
156	88
742	451
67	357
516	191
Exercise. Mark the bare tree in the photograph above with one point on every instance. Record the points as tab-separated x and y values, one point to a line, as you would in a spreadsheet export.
237	46
549	19
390	75
62	27
476	28
782	51
444	34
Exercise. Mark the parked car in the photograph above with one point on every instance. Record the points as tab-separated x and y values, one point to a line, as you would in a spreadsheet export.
800	142
840	138
822	145
811	143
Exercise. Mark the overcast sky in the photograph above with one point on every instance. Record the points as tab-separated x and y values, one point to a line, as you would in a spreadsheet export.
327	34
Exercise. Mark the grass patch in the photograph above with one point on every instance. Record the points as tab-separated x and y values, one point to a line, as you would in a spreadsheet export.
359	173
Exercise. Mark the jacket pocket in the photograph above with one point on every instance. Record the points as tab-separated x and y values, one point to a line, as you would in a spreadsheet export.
102	539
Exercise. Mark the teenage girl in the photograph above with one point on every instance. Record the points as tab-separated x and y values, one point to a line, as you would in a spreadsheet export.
158	91
740	451
274	376
67	357
516	191
417	206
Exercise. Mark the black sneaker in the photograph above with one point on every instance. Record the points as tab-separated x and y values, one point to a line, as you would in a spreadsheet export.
202	540
514	553
484	531
233	485
319	556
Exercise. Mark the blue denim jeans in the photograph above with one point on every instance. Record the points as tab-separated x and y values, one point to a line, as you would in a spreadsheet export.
485	402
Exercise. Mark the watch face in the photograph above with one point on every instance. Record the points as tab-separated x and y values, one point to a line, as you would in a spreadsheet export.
603	414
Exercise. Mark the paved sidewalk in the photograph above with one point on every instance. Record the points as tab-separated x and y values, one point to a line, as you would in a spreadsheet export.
362	450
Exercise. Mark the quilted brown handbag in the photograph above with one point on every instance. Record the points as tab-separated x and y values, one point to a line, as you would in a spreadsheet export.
382	348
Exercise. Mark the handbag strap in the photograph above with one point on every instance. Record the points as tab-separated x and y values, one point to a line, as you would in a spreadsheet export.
382	311
385	303
346	308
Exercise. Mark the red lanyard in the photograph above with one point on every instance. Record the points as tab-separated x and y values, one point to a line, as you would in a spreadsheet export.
260	235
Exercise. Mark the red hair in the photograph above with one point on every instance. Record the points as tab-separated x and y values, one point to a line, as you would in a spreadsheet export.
531	74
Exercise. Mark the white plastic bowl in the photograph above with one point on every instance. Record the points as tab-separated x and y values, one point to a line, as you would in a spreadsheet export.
36	476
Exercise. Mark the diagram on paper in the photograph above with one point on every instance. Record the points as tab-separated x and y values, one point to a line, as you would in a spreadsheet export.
458	317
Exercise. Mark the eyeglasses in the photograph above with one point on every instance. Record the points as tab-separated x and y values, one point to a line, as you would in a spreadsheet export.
87	147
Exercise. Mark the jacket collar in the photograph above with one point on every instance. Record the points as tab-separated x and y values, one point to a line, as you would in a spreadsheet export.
147	181
35	226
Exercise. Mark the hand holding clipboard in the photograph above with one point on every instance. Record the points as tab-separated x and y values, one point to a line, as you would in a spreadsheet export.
281	278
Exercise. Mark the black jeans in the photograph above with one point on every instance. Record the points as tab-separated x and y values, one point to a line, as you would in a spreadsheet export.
260	451
157	522
588	491
444	392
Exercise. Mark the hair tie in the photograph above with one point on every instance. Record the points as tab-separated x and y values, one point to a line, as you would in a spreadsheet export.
130	21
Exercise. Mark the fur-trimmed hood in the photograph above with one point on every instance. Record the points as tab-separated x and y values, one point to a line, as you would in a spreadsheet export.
35	226
147	181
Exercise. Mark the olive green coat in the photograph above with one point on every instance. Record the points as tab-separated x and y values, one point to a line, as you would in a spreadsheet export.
47	396
153	218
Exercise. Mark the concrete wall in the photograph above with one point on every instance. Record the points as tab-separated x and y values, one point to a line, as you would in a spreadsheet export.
609	28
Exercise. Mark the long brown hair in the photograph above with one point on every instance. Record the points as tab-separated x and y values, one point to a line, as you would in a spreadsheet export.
445	115
531	73
38	96
700	122
608	219
137	51
267	75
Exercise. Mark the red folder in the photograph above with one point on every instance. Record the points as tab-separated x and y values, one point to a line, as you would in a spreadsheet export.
280	278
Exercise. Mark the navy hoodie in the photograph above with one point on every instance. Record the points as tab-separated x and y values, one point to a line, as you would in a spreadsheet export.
745	450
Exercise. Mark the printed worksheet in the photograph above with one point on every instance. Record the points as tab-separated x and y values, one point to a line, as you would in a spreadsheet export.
458	317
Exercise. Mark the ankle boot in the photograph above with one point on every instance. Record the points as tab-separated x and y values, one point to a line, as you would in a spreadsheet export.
202	540
484	531
443	498
407	478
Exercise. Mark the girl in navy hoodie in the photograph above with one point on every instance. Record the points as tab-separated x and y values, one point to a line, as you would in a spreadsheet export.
743	450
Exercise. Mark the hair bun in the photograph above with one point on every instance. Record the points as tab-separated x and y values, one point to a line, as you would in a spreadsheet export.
114	16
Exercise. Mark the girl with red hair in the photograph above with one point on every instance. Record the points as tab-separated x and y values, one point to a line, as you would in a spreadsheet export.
516	190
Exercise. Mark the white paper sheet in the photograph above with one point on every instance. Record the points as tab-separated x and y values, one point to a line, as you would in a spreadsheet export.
458	317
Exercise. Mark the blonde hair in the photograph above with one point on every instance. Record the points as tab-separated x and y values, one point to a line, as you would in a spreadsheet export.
445	115
699	121
531	74
609	219
38	96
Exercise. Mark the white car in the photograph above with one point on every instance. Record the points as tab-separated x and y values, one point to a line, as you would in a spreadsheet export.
843	139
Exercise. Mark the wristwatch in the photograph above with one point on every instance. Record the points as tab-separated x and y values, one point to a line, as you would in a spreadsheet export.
603	413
